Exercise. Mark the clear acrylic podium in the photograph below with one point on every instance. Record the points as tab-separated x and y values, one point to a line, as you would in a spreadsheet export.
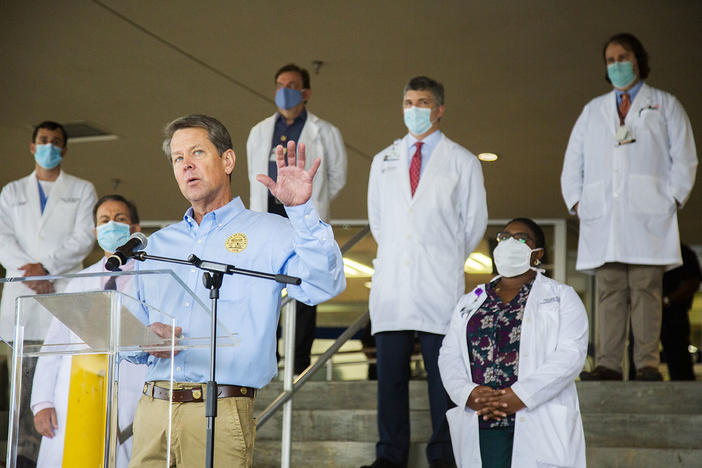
90	364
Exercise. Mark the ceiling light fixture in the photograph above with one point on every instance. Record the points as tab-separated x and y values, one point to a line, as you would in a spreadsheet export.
478	263
487	157
354	269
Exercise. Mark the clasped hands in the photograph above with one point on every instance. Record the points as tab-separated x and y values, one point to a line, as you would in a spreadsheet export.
293	185
39	286
494	404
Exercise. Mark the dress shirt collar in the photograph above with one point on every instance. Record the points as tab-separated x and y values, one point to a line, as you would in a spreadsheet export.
631	92
430	142
218	216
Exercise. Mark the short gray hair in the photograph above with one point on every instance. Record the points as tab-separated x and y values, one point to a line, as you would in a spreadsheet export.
217	133
421	83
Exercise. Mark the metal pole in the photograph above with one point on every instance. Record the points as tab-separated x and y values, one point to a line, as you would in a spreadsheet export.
560	250
290	311
212	281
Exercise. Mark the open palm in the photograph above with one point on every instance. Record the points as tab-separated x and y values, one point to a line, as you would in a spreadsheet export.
294	184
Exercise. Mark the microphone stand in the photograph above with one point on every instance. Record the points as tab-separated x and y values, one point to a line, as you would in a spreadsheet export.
212	279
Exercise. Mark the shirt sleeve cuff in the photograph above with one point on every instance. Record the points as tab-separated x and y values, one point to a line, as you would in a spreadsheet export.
303	216
41	406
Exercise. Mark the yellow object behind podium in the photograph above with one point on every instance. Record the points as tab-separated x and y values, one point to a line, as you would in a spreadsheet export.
87	412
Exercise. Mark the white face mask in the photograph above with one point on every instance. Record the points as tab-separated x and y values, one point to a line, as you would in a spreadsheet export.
512	257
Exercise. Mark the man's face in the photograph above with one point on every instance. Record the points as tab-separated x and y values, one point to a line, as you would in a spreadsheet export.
202	174
46	136
114	210
617	53
292	80
424	98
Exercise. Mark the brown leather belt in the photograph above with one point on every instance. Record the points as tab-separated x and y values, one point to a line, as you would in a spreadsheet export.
197	393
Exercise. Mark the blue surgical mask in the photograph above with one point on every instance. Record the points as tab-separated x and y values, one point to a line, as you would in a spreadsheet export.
47	156
112	235
287	98
418	119
621	74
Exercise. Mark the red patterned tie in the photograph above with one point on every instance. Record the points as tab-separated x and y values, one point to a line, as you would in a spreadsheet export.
416	166
624	107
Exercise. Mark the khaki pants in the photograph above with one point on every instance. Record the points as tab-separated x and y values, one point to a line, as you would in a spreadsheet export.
628	292
234	433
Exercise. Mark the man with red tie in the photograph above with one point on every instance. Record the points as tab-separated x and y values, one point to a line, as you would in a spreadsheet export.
427	212
629	166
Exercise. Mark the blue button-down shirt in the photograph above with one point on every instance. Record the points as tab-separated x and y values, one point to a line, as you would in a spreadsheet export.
430	142
300	246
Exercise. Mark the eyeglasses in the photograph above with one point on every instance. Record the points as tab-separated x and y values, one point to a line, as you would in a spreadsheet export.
522	237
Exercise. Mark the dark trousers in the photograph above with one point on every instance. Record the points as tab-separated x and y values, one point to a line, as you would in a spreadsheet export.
675	337
305	328
394	350
496	447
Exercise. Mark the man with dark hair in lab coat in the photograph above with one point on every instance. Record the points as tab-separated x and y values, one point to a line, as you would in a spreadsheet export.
629	166
46	227
293	122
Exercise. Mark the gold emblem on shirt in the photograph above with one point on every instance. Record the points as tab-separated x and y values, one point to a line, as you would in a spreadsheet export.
236	242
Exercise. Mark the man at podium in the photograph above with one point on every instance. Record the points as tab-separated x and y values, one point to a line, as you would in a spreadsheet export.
217	227
68	411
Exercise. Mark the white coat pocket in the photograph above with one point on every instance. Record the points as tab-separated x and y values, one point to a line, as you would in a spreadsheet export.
553	431
592	202
463	427
649	195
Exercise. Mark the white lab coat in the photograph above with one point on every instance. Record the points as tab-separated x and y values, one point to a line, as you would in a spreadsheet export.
423	241
552	350
627	194
322	139
59	239
52	378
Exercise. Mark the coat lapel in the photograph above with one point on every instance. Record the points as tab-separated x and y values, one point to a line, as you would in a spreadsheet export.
57	192
433	168
31	191
642	100
308	136
609	110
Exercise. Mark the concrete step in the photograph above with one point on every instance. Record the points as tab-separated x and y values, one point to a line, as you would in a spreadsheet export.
355	454
329	454
638	457
601	430
595	397
672	431
640	397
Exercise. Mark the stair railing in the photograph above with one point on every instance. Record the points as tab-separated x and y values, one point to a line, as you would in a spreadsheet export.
284	400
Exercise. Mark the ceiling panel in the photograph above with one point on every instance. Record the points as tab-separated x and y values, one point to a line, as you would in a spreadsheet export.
516	76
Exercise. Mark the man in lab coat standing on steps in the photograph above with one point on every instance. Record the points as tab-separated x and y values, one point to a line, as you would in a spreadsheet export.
629	166
427	211
292	122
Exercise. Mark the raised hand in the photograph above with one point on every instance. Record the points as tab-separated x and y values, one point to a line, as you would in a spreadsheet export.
294	184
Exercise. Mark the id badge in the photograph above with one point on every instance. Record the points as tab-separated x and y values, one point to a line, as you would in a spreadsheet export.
624	135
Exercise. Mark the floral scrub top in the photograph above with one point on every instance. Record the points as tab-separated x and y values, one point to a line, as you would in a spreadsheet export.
494	333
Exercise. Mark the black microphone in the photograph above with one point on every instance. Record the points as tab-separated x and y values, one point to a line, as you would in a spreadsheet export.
124	252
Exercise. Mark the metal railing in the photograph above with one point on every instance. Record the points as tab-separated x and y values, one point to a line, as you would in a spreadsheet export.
284	400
